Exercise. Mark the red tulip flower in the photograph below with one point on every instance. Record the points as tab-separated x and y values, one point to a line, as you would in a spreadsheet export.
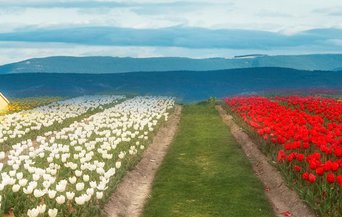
296	168
339	180
331	178
305	176
312	178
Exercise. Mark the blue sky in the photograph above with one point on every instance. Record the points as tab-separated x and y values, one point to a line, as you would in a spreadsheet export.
146	28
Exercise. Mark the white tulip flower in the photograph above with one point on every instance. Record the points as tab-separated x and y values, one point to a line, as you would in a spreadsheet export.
80	186
78	173
80	200
33	212
53	212
118	164
33	184
28	190
19	175
15	166
35	177
52	194
60	199
72	180
70	195
90	191
38	193
12	173
100	170
60	187
121	155
42	208
2	155
86	178
99	195
23	182
102	186
15	188
93	184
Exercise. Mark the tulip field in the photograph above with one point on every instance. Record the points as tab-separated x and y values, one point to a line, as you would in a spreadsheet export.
16	125
72	171
303	135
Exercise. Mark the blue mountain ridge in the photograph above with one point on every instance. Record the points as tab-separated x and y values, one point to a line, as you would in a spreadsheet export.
102	65
187	86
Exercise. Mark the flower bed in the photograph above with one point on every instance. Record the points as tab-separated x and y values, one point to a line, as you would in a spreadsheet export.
72	172
303	135
17	125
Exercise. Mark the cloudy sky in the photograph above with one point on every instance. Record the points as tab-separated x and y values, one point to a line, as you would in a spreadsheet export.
190	28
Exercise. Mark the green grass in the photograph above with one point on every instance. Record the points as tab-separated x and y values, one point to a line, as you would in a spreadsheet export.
205	173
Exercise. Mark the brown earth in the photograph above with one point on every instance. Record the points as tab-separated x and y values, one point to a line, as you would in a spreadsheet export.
129	198
285	202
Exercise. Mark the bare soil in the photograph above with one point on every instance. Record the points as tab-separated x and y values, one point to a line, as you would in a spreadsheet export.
284	200
134	190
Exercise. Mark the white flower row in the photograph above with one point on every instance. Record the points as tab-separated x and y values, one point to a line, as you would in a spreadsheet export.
75	165
18	124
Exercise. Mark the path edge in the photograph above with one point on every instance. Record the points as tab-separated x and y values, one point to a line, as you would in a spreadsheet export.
133	192
284	201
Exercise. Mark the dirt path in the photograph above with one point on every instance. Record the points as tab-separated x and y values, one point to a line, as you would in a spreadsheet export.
285	201
131	194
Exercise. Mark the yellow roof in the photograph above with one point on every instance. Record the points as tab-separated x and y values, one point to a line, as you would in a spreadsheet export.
3	97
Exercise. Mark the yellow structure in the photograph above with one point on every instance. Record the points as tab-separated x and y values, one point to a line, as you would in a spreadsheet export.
3	102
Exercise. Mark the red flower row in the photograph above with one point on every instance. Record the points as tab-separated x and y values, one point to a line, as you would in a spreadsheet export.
306	132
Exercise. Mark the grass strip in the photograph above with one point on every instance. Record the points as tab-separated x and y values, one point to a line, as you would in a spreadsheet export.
206	173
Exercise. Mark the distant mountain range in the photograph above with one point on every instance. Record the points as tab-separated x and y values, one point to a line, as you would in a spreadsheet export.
102	65
185	85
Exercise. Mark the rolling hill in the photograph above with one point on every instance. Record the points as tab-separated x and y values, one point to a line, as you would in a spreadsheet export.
185	85
101	65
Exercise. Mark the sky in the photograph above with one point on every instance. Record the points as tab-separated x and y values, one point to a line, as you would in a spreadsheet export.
155	28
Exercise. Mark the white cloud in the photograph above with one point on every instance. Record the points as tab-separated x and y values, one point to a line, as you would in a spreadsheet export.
289	16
